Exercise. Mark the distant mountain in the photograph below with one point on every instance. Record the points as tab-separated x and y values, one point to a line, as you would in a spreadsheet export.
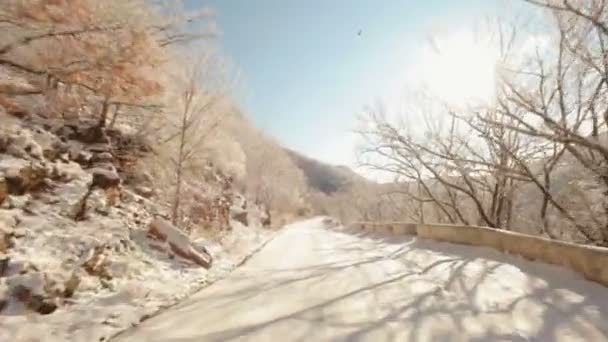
323	177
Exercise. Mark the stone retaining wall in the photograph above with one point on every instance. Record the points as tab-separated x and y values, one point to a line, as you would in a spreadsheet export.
590	261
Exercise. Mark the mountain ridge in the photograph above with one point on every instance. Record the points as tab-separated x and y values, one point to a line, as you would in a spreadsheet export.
323	177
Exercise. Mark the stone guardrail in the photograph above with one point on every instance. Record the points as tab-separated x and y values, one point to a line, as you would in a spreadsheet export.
590	261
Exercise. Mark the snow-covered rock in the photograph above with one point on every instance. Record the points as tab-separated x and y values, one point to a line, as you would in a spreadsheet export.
80	156
179	243
23	144
3	189
144	191
94	277
26	178
104	179
103	157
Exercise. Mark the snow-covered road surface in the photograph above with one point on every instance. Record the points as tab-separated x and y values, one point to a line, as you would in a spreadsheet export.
313	283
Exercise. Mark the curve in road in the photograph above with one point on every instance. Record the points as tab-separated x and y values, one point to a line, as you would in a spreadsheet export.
314	283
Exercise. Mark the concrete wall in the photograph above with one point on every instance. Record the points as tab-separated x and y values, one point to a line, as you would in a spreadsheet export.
590	261
398	228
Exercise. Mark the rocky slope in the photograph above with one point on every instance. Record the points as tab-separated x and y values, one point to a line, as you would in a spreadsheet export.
84	254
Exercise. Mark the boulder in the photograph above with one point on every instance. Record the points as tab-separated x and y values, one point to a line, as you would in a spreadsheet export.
23	202
105	179
92	134
50	145
66	132
34	302
55	150
179	243
103	157
134	174
4	142
99	148
105	166
144	191
97	263
240	216
3	189
30	178
330	222
6	240
29	288
145	177
12	107
4	296
4	261
66	172
81	157
16	151
266	218
23	144
60	285
18	232
71	285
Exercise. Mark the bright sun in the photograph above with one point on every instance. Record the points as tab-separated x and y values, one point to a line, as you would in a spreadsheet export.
460	70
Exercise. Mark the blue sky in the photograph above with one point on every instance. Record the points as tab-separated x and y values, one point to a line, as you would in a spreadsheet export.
305	73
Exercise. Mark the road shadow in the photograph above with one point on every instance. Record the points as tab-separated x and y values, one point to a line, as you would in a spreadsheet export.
385	288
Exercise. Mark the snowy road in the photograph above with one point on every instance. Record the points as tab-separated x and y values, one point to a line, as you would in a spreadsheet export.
318	284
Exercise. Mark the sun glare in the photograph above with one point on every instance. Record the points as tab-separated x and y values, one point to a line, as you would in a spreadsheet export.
460	70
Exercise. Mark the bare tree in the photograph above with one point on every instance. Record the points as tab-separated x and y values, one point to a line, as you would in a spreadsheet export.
102	51
556	97
549	117
196	118
462	173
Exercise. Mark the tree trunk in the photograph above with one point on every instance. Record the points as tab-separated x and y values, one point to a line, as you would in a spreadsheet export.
546	229
604	229
104	113
116	112
180	165
509	208
176	197
421	204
